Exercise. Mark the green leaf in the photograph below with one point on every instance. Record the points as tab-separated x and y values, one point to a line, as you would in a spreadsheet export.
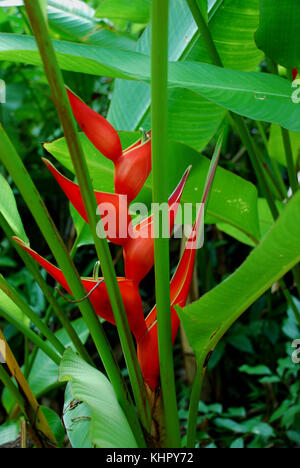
233	199
278	30
11	309
238	444
258	370
9	209
137	11
109	427
44	373
77	420
55	424
266	221
259	96
73	18
70	18
193	120
9	432
207	320
276	147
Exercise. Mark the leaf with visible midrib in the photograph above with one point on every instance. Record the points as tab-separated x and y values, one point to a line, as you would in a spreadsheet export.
258	96
207	320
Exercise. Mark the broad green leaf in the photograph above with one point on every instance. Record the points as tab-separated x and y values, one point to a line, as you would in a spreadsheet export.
9	209
192	119
70	18
77	420
276	147
55	424
137	11
109	426
11	309
258	96
266	221
233	199
9	432
207	320
107	38
44	374
278	30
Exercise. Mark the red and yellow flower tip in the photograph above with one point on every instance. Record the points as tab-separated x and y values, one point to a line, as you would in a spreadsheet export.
133	169
98	130
139	250
99	295
148	354
119	235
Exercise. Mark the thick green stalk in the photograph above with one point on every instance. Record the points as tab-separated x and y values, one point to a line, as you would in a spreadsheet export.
159	111
30	194
33	337
293	178
33	269
44	330
56	83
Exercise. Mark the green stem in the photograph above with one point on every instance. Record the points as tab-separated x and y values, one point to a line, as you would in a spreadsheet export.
56	83
274	164
293	178
17	299
290	300
30	194
33	269
194	403
12	388
33	337
160	9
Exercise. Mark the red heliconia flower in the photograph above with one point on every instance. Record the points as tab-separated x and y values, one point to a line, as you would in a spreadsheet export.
148	355
295	73
132	166
120	204
99	295
139	250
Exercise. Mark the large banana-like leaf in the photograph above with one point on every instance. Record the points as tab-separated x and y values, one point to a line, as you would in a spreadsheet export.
70	18
109	426
233	199
137	11
278	29
192	119
207	320
258	96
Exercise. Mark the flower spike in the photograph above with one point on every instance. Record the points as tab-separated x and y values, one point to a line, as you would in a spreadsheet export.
98	130
148	354
99	296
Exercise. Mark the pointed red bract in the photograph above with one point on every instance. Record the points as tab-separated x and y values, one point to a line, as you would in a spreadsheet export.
98	130
295	73
139	250
111	203
100	298
132	170
180	286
